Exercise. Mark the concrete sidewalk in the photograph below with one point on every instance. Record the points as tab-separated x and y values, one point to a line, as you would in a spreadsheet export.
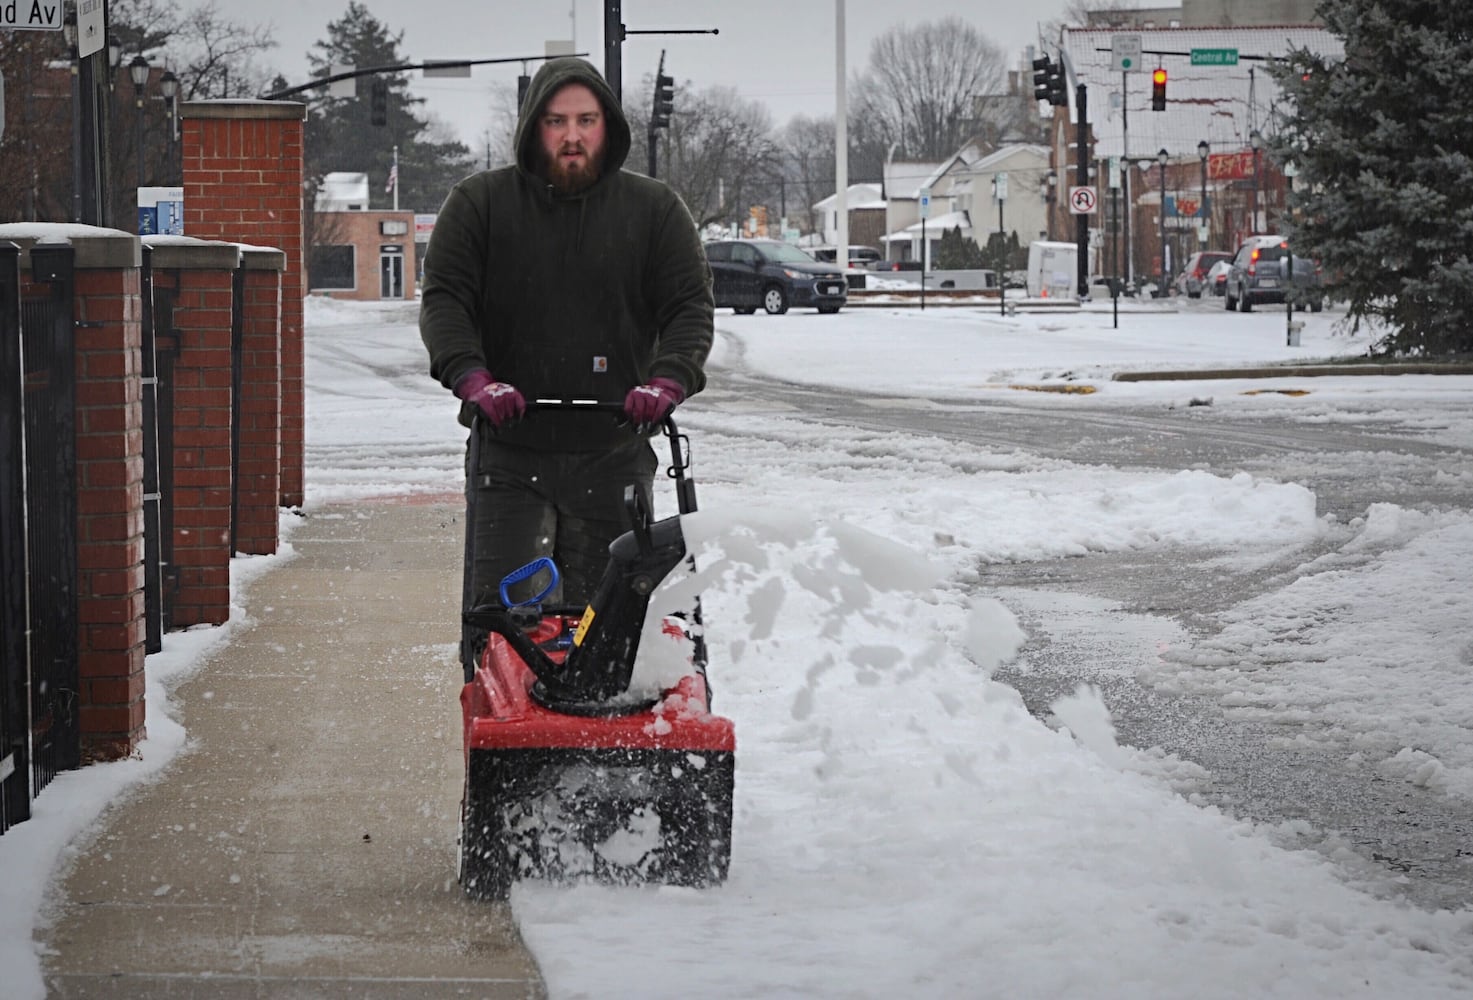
304	844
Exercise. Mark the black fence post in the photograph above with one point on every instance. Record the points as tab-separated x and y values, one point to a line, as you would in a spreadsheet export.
153	548
49	346
15	664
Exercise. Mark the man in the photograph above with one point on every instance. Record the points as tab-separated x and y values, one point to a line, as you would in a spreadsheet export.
562	277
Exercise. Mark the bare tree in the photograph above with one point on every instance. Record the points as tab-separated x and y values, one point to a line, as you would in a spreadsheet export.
217	58
920	87
807	147
718	152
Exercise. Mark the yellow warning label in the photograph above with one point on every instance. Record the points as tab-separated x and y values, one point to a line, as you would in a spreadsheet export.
583	624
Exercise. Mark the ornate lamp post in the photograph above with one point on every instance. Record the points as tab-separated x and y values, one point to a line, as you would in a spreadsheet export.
1161	158
169	88
1256	141
138	73
1202	150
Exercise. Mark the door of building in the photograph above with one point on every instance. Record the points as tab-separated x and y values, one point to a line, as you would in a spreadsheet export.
391	272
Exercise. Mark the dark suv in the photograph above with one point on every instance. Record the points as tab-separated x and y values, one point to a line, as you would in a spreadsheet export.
1259	274
747	274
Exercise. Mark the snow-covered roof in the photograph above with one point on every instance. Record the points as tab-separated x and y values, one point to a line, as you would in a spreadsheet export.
903	179
1220	104
342	190
937	225
864	195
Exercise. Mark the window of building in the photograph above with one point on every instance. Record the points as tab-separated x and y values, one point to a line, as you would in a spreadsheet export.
331	268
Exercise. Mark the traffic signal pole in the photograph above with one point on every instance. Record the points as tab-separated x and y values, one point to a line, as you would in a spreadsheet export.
1082	220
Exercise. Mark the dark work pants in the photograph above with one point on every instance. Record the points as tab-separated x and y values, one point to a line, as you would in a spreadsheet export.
522	504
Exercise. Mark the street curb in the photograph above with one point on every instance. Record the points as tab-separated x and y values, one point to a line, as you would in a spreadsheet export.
1296	371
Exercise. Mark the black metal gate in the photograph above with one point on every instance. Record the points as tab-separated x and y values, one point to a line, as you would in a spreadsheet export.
48	354
153	557
15	673
160	352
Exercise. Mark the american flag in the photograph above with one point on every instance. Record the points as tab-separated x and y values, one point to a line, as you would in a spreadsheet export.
393	178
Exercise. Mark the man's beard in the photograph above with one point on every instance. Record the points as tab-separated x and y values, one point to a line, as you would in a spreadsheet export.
567	179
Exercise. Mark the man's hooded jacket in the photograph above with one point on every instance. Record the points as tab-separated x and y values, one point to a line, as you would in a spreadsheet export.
578	296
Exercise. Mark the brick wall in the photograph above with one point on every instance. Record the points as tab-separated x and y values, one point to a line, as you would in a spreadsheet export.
258	466
201	277
243	173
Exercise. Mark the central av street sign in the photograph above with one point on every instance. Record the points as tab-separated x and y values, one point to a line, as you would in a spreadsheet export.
1214	57
31	14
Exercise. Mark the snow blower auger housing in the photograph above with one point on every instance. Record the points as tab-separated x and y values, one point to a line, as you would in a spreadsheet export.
567	775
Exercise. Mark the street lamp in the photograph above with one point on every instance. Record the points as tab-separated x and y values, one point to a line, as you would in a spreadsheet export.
138	73
169	88
1256	141
1161	158
1289	331
1202	150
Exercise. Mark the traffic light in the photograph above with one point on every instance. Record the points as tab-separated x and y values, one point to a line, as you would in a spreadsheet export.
664	101
1158	89
523	82
378	102
1048	82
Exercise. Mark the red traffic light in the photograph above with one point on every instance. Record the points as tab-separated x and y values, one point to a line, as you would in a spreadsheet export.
1158	78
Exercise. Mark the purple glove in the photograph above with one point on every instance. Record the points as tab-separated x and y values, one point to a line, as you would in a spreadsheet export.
501	403
647	405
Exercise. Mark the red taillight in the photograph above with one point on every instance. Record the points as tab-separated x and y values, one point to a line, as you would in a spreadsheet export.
1253	263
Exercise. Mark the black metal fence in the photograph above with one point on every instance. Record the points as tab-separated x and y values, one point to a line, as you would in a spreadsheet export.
50	401
15	728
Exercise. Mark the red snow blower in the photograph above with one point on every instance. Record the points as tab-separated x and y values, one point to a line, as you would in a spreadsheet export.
568	775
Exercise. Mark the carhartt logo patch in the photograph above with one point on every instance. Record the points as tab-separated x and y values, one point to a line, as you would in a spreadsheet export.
600	364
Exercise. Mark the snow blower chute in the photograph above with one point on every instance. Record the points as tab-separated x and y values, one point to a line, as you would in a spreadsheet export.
568	775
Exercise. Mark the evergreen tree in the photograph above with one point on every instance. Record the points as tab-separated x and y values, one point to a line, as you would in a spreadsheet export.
340	133
1383	145
958	252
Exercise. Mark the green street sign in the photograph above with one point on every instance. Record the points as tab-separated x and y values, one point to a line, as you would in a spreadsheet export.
1214	57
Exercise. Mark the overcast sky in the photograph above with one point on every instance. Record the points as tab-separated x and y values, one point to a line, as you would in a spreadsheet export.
780	52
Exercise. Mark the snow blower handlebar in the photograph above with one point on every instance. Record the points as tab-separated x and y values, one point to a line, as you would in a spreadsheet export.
598	667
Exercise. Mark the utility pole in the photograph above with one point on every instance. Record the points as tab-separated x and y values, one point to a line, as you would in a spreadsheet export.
613	42
1082	179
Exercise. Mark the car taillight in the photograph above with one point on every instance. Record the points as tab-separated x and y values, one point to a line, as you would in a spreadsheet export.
1253	263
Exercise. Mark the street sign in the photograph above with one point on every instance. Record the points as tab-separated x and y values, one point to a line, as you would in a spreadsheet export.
1000	187
923	197
34	16
1114	173
1082	201
91	25
1125	53
1214	57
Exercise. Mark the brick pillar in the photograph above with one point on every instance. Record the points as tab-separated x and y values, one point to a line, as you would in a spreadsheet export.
258	465
108	313
243	181
202	275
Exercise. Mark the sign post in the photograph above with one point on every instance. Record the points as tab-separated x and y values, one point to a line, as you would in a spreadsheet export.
1000	189
923	202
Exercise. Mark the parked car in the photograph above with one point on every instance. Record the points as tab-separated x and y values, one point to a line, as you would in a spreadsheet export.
1216	280
1259	274
747	274
1192	281
859	256
895	265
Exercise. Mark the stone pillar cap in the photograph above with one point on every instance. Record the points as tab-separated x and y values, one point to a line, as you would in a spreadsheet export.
190	253
96	247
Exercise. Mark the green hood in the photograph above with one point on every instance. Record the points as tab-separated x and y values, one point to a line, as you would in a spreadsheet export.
549	79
